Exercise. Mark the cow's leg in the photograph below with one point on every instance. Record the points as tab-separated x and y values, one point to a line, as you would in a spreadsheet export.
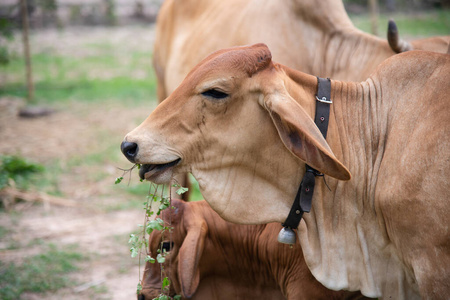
418	233
423	247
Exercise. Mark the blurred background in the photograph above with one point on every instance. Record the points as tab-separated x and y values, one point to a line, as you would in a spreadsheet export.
75	77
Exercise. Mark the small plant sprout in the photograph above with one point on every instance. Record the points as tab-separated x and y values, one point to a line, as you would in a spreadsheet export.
139	242
126	171
181	190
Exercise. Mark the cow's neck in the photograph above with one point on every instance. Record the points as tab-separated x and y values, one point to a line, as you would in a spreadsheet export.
340	51
356	132
349	54
343	217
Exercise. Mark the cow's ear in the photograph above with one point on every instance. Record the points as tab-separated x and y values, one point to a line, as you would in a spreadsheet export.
302	137
189	257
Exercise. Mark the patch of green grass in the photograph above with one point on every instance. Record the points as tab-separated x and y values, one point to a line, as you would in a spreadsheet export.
48	180
138	189
38	274
107	153
422	24
134	194
126	203
92	164
31	176
119	88
18	170
104	76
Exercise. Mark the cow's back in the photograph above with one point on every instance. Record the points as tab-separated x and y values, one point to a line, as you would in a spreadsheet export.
188	31
436	44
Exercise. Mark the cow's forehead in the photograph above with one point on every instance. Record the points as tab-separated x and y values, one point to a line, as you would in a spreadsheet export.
237	61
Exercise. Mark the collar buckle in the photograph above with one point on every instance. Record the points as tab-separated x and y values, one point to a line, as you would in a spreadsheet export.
324	100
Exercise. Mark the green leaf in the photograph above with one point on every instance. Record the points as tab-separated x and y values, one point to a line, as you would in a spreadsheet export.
152	197
156	224
133	239
150	259
182	190
118	180
163	206
177	297
134	252
161	259
135	245
139	288
165	282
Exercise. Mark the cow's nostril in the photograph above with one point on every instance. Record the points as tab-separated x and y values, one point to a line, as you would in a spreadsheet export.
130	150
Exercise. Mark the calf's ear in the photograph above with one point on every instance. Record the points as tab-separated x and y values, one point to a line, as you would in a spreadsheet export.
189	258
301	136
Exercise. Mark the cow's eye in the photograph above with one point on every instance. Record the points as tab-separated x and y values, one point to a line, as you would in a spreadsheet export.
167	246
212	93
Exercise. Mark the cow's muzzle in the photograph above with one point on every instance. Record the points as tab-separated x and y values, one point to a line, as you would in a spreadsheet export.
130	150
148	171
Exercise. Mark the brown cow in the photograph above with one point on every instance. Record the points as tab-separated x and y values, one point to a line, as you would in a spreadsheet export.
316	37
214	259
243	126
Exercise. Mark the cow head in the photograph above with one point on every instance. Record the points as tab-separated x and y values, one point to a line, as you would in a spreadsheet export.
183	246
234	124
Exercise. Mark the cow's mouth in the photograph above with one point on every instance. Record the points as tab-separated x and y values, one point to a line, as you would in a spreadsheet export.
151	170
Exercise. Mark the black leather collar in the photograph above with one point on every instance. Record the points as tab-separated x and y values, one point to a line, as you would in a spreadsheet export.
303	199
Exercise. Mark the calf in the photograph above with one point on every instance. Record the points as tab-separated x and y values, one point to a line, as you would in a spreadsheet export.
214	259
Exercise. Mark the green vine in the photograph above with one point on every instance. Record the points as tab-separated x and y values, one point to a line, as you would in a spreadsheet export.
139	243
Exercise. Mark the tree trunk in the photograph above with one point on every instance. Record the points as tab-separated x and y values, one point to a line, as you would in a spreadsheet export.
26	47
374	16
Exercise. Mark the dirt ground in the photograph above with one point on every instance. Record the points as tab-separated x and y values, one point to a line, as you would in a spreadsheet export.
99	234
98	231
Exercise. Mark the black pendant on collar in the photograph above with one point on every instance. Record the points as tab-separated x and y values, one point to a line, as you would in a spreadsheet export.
303	199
